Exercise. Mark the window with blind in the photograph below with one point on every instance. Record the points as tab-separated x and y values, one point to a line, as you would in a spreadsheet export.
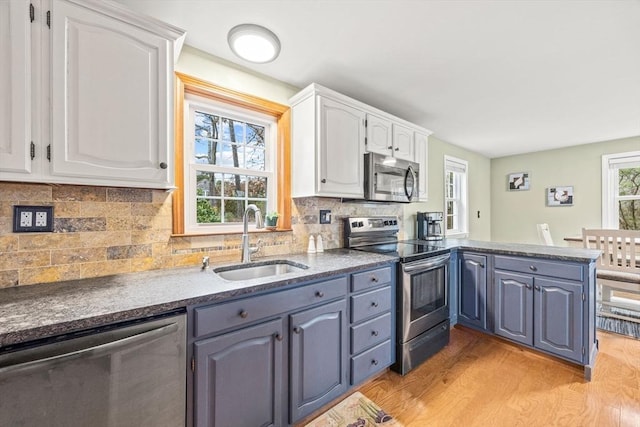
455	196
621	191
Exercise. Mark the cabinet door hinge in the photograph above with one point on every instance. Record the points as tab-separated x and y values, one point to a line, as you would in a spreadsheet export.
32	12
365	140
49	18
32	150
366	122
193	364
49	152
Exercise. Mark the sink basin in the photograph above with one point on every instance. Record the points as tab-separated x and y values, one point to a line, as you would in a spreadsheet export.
255	270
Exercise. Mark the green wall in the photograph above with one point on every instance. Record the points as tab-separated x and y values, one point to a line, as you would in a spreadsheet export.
516	213
478	185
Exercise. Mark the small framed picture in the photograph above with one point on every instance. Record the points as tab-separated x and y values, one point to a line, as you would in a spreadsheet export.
518	181
560	196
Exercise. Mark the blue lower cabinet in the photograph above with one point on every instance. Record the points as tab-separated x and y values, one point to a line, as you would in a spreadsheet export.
318	358
239	377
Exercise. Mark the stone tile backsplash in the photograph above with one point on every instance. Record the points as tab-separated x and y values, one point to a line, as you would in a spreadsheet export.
100	231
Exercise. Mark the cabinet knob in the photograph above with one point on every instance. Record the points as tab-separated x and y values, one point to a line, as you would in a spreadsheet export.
533	268
374	333
278	337
319	294
527	286
323	180
243	314
374	304
537	288
397	149
374	362
390	147
163	165
481	265
374	279
297	330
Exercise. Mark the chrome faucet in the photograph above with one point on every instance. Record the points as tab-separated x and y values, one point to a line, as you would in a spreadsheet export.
246	250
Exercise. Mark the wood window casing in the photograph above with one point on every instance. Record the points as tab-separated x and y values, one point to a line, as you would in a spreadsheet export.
282	113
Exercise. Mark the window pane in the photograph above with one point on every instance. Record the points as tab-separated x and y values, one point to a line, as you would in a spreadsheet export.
255	135
234	185
229	155
257	186
207	211
255	158
233	210
208	184
205	151
207	125
261	204
450	223
629	181
629	214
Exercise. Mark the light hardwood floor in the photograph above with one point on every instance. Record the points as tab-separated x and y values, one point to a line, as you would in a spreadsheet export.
479	380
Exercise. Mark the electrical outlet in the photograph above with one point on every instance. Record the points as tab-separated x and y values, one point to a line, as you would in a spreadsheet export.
32	218
41	218
26	219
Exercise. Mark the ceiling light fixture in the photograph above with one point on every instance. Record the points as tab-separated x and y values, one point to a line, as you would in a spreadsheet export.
254	43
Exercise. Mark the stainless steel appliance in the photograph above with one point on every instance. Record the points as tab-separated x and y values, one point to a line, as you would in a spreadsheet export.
430	225
389	179
422	314
131	375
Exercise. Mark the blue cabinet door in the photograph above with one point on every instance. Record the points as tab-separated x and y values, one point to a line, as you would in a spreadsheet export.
238	377
318	357
559	324
472	302
514	306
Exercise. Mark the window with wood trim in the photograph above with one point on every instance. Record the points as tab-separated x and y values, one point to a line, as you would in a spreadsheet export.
455	196
232	149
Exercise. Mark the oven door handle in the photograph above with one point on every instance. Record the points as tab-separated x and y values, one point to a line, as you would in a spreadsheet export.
426	264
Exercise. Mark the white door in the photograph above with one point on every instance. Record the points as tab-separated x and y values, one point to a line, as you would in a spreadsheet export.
378	135
110	99
15	86
341	163
403	142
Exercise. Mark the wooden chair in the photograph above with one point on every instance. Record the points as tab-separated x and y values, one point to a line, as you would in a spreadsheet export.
545	234
618	268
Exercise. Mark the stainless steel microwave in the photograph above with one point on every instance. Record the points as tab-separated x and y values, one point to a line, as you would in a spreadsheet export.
389	179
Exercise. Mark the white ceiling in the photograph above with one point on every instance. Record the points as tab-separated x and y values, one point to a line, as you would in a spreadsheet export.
495	77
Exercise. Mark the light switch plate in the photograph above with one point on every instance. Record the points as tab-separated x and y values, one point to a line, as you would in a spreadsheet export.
32	218
325	216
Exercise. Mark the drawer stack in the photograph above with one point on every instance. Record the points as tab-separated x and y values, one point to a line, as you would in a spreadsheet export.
372	321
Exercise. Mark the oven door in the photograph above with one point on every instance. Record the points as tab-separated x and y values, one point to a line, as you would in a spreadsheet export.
424	295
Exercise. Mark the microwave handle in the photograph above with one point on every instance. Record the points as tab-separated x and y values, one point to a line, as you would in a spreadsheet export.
406	178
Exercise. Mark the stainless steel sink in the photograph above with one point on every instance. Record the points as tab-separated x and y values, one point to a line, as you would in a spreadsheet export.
255	270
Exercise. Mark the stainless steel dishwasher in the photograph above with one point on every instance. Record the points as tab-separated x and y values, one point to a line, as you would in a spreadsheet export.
130	374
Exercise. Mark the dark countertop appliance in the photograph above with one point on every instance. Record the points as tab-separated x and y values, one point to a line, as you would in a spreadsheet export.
430	225
390	179
422	293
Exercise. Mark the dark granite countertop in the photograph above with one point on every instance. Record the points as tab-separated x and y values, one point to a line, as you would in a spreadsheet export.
518	249
38	311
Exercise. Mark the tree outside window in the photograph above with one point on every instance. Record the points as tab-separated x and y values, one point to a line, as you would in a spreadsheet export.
628	198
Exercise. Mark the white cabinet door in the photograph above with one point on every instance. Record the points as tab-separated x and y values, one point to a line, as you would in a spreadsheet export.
378	135
422	158
111	98
403	142
15	86
341	147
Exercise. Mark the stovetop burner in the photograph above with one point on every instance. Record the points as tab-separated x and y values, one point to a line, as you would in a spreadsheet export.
405	250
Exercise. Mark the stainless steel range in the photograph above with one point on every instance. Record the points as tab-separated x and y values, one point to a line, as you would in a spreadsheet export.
422	319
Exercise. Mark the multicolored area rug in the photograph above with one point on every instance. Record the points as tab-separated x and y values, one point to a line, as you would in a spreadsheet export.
355	411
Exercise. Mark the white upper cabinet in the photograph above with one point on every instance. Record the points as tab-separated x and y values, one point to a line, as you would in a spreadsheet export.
106	95
421	141
379	135
15	86
403	142
327	147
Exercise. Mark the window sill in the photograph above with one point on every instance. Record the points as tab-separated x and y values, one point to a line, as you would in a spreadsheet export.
222	233
457	235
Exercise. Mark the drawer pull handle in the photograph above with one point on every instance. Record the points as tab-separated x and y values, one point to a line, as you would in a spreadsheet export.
533	268
374	333
319	294
374	362
297	330
374	304
374	279
279	337
243	314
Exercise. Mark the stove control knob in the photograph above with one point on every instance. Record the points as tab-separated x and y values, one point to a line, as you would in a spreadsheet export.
354	224
360	224
395	222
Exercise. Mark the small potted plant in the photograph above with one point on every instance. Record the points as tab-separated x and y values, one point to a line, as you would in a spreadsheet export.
271	220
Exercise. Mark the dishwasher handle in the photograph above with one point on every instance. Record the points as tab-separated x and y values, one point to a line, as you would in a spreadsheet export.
97	350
